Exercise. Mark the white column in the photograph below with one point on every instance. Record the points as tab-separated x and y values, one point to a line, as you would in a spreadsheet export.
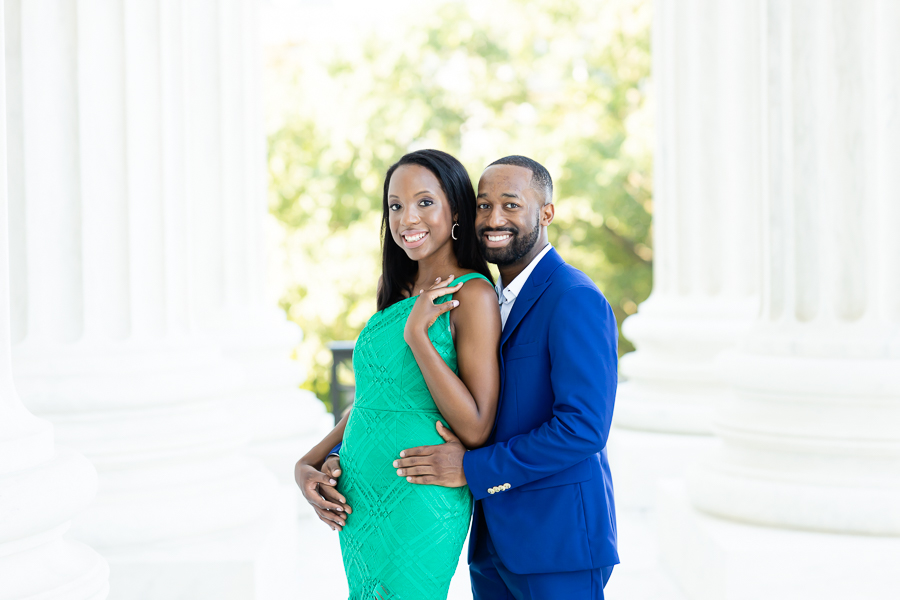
706	236
230	303
105	346
42	486
810	439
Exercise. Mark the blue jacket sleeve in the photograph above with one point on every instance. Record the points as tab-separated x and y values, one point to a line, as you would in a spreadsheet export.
582	343
336	449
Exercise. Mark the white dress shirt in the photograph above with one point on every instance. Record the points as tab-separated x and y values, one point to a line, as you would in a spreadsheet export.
507	295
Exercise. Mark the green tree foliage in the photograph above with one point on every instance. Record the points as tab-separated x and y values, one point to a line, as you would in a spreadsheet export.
563	82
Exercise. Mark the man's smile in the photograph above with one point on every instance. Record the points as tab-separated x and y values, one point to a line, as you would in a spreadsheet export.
497	239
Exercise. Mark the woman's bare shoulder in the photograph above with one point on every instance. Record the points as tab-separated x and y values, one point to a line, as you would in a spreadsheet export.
477	303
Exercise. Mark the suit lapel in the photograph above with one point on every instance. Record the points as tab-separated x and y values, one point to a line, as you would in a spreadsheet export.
537	282
534	286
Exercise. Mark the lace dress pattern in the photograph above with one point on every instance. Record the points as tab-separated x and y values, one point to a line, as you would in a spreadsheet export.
403	540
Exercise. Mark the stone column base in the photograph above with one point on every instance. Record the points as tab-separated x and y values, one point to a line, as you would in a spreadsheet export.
37	560
716	559
250	563
639	460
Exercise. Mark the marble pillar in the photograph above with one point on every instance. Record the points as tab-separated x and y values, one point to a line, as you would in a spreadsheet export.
230	303
107	99
42	485
706	238
812	439
801	498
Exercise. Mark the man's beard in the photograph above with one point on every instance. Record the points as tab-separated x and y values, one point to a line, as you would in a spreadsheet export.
518	247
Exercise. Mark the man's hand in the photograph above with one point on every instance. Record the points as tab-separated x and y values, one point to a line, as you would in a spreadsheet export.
318	487
434	465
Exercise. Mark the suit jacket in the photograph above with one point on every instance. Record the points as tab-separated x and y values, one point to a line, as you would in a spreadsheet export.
543	483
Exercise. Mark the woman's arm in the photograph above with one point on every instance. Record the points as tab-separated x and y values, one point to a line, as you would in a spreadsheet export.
468	402
319	488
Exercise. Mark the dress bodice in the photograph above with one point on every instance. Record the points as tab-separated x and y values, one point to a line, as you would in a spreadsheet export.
387	375
395	523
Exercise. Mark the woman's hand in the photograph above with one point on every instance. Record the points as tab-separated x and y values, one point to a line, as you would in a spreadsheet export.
318	487
425	312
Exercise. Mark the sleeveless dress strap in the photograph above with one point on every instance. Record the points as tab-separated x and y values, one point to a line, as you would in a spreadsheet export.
470	276
463	279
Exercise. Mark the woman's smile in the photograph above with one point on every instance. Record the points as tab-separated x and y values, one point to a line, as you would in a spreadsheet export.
413	238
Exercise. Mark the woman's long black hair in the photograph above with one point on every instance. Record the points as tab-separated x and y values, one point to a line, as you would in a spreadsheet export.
399	270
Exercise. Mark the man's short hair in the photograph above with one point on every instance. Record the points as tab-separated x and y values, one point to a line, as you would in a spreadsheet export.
540	177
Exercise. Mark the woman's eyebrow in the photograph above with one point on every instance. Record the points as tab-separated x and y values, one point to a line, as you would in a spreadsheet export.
416	194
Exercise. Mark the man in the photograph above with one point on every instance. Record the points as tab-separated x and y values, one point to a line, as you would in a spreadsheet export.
544	520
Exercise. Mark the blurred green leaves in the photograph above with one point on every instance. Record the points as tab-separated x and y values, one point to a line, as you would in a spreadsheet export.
563	82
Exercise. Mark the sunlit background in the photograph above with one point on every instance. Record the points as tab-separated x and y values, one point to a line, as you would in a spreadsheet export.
352	86
192	186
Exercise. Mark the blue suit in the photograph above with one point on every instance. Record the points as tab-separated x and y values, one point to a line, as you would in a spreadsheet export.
543	490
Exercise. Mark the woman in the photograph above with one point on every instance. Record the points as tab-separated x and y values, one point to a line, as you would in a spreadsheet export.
429	354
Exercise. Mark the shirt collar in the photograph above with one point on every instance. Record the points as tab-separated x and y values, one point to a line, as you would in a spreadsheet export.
511	291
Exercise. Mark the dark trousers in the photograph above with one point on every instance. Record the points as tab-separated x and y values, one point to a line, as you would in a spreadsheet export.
491	580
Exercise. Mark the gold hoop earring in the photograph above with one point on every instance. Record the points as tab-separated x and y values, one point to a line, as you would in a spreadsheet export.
452	230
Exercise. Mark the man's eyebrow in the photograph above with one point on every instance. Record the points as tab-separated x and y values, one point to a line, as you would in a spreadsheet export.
482	195
508	195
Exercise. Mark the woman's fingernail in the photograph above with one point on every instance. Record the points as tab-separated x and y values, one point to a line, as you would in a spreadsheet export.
399	471
409	479
403	454
456	303
340	509
337	471
395	463
332	481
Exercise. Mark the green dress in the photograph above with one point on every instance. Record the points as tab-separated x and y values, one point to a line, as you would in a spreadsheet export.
403	540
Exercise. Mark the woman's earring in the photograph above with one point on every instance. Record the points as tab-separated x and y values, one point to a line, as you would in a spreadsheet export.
452	230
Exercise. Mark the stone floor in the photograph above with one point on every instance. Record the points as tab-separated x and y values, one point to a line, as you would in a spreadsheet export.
639	577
